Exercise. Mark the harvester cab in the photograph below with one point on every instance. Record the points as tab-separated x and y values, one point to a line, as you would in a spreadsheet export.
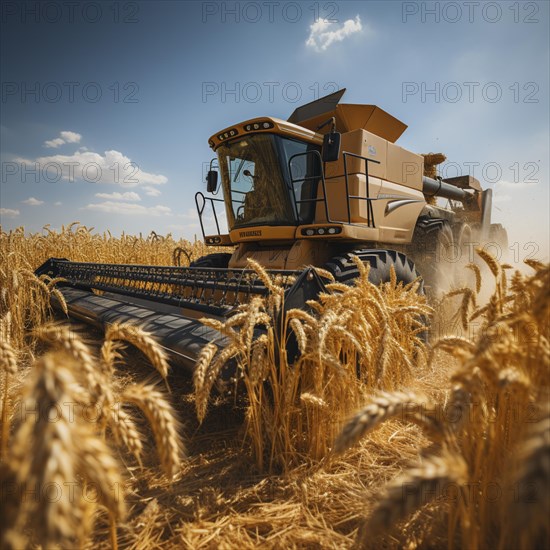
326	185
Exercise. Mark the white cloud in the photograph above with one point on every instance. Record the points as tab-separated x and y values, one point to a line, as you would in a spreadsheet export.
9	212
151	191
112	167
31	201
116	196
191	217
58	203
64	137
516	184
54	143
502	188
323	32
182	228
70	137
110	207
501	198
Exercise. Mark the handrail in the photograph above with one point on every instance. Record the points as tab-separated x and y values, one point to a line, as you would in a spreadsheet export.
306	178
200	210
370	211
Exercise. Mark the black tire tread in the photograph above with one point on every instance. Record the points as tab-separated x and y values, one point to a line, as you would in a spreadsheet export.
345	271
427	227
216	260
424	247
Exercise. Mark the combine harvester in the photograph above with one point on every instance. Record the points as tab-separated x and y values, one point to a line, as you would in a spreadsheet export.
326	184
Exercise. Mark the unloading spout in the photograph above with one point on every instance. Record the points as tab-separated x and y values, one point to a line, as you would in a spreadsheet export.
438	188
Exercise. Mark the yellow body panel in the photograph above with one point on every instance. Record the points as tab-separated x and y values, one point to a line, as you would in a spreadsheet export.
404	167
263	233
366	144
296	256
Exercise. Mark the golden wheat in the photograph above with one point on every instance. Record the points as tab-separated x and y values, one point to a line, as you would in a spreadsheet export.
45	457
163	422
409	406
61	336
125	431
477	272
8	363
8	358
483	397
142	340
438	477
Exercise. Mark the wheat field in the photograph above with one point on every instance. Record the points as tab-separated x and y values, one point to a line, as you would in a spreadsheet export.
372	438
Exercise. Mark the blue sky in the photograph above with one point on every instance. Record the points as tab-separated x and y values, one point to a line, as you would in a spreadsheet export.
136	89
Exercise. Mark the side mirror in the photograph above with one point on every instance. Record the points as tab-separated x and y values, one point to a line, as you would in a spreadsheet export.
331	147
211	181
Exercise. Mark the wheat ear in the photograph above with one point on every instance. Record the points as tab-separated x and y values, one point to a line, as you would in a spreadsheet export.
142	340
214	369
383	407
8	358
414	489
61	336
477	273
164	423
313	400
125	430
490	260
199	377
102	470
43	453
8	363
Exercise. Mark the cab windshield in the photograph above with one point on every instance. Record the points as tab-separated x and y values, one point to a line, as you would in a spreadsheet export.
256	179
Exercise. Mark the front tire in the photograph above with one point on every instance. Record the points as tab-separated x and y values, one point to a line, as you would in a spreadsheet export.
344	269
